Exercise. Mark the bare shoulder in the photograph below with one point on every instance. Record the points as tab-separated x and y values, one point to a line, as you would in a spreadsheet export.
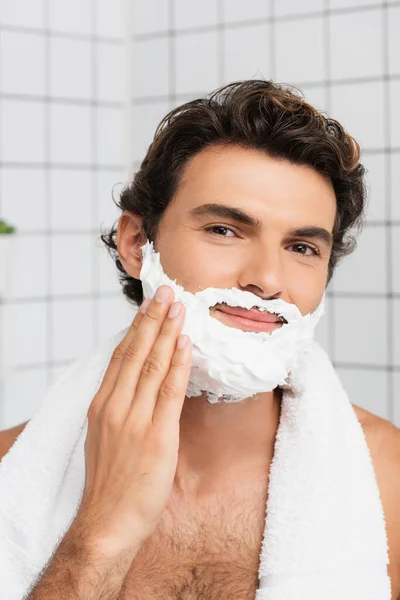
383	439
8	437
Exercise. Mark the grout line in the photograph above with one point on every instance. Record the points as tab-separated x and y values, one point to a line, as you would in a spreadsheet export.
221	42
2	310
49	313
172	95
94	158
153	35
337	365
46	31
101	294
389	230
306	85
49	99
10	164
331	314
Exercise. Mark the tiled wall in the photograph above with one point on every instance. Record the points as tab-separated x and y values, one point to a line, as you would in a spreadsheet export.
345	55
63	146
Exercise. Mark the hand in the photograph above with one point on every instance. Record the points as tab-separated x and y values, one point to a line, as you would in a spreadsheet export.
131	447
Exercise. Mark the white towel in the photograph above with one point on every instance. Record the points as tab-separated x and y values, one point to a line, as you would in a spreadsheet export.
325	532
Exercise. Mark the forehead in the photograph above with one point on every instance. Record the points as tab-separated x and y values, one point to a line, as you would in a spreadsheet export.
252	180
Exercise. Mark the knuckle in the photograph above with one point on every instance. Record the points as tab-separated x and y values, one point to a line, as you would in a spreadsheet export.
132	352
110	417
152	315
152	366
169	389
94	409
118	353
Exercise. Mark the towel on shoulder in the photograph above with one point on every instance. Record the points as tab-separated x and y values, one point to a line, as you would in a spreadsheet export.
325	531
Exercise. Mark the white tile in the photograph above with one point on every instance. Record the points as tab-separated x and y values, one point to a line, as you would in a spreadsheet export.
375	179
28	13
359	107
22	63
395	260
196	62
356	44
186	15
115	314
107	270
70	134
367	389
316	96
109	186
72	328
25	331
302	60
111	18
151	67
150	16
237	10
146	117
73	16
294	7
396	332
365	269
112	75
70	68
23	395
360	331
71	199
21	120
252	64
111	136
395	186
30	214
352	3
394	87
394	39
71	264
396	395
28	267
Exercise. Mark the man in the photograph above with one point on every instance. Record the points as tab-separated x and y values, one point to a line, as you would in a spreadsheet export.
253	189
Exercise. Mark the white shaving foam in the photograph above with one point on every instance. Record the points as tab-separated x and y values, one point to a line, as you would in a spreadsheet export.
227	363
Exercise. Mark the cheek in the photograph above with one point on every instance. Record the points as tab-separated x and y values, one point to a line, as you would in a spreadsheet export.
195	267
306	288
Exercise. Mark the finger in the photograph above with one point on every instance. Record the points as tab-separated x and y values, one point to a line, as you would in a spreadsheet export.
111	374
173	389
137	352
157	365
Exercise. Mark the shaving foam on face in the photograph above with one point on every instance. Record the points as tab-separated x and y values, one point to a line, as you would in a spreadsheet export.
227	363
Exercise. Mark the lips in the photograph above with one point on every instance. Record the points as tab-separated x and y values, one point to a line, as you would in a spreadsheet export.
251	314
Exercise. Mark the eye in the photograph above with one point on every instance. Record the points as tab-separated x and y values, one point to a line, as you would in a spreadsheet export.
304	248
220	230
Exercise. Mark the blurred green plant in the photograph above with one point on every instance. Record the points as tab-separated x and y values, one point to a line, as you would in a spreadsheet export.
6	228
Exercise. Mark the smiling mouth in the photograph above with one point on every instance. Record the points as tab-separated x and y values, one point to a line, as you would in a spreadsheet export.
253	314
253	320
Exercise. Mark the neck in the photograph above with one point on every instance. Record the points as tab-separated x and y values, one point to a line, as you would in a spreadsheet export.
224	441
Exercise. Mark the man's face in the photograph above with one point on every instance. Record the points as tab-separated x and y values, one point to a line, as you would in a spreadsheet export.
204	246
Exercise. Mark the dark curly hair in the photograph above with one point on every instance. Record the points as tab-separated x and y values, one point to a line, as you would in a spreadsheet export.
256	114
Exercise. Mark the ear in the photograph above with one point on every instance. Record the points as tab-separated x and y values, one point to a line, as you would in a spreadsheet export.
130	237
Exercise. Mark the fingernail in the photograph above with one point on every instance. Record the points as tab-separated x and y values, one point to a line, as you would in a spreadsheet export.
144	305
174	310
182	341
162	294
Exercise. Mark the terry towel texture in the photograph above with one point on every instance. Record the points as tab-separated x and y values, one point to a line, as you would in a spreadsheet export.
325	532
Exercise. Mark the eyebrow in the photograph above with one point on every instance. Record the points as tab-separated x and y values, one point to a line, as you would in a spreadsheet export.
230	212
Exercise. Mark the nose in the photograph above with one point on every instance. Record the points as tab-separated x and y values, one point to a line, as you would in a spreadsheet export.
263	273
